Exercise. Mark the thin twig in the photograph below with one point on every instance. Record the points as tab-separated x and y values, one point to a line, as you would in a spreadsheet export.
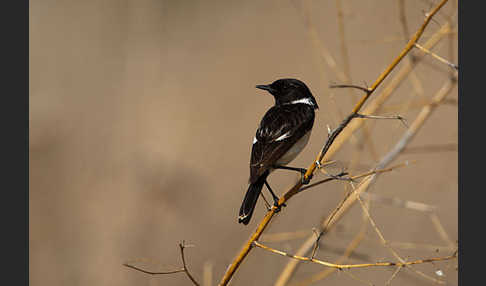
357	176
387	245
388	282
426	149
414	79
435	56
374	106
349	266
411	245
320	49
403	19
184	268
324	53
347	253
364	89
419	103
392	39
404	52
151	272
377	230
342	41
441	231
348	79
397	117
396	202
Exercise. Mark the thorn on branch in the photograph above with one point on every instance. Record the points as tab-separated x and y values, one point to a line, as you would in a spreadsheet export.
329	131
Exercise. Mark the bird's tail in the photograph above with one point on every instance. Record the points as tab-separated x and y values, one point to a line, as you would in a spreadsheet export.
250	200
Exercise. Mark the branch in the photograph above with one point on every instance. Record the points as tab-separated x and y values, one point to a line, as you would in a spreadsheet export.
392	154
431	148
364	89
398	117
349	266
182	246
425	50
393	275
394	83
153	273
399	203
184	268
387	245
369	173
347	202
349	250
310	170
407	48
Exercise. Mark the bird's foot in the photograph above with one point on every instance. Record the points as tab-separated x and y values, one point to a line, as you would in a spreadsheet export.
278	207
303	179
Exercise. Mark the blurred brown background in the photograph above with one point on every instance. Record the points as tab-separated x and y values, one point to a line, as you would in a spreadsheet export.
142	115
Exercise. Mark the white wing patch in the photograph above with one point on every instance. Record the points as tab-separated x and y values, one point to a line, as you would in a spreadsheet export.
282	137
306	100
254	140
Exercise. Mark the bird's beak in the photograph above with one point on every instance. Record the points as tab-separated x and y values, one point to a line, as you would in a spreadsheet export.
265	87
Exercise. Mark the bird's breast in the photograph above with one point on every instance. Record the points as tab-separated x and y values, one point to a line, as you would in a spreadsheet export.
294	150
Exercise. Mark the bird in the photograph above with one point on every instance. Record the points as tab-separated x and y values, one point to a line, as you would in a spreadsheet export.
282	134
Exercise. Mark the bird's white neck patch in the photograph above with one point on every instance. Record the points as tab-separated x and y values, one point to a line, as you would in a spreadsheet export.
306	100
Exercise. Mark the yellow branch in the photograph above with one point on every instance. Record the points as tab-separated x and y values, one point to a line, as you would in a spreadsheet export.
349	266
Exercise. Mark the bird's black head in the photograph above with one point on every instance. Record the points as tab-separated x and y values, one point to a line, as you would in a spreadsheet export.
289	90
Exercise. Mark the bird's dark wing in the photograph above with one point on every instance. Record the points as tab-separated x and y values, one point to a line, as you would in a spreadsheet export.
280	128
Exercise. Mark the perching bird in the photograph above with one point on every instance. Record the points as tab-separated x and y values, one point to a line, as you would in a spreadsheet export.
283	132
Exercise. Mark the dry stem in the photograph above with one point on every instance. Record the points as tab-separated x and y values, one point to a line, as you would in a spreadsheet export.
439	58
349	266
184	268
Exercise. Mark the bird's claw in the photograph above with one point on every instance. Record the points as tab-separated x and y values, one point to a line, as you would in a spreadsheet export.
303	179
278	207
